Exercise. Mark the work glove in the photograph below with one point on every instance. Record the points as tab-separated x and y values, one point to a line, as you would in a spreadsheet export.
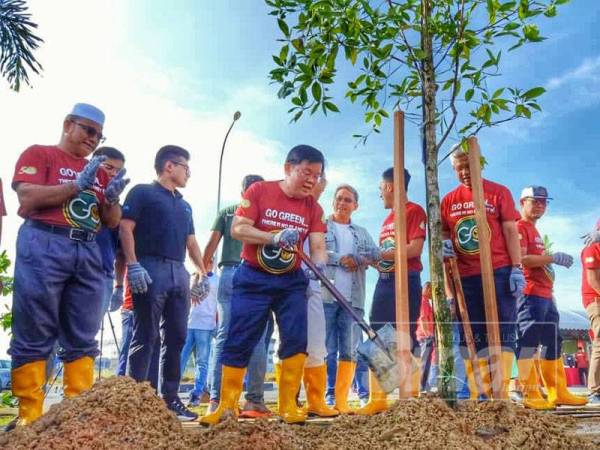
138	278
115	187
562	259
285	238
517	282
313	276
448	249
116	300
591	238
87	177
200	288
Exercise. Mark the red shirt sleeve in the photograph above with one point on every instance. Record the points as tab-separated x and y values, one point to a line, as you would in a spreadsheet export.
249	206
32	167
416	223
523	238
2	204
445	227
590	257
317	221
507	207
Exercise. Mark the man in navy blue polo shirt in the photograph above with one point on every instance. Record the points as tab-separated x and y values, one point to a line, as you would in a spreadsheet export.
156	230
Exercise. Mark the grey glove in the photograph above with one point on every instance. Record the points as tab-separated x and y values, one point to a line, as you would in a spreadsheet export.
591	237
138	278
448	249
116	186
313	276
562	259
200	288
517	282
116	300
87	177
285	238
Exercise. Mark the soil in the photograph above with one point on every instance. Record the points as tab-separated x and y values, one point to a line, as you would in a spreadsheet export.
121	414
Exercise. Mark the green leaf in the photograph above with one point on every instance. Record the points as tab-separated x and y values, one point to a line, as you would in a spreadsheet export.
533	93
331	106
469	94
316	91
284	27
298	44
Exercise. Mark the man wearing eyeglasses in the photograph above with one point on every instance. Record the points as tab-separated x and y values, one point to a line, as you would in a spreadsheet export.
65	200
537	314
273	219
156	232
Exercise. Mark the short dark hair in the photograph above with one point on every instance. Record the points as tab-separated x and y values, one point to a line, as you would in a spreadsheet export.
167	153
388	175
249	180
348	188
110	153
305	153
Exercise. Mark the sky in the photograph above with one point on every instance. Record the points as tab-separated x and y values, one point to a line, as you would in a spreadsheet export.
175	72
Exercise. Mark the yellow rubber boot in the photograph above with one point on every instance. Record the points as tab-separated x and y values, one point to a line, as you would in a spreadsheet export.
78	377
315	380
529	386
415	378
289	383
555	380
343	381
508	359
473	391
486	377
232	381
377	398
27	381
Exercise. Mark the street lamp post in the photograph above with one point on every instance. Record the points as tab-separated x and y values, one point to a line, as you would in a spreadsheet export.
236	116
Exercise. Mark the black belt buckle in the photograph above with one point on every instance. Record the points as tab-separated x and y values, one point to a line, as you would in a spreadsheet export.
78	234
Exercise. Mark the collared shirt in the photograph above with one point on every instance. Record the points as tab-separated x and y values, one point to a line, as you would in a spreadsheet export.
362	242
163	221
232	248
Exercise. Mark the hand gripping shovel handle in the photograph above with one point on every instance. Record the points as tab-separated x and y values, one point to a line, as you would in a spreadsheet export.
343	302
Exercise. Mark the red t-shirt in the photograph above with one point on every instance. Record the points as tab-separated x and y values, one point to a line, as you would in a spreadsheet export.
416	227
425	327
271	210
458	218
590	259
540	280
2	205
581	361
127	295
50	166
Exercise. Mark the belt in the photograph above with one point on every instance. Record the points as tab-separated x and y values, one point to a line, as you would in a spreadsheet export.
75	234
386	275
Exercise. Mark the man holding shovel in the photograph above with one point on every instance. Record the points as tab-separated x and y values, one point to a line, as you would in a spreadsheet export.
274	217
461	242
537	315
383	309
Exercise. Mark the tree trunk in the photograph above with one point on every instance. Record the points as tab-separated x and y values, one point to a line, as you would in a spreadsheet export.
443	317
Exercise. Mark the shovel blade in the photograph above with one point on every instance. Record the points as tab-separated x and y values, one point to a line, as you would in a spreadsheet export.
383	363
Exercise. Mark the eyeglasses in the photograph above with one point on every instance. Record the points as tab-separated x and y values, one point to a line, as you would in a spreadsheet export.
538	201
188	171
91	131
307	173
344	199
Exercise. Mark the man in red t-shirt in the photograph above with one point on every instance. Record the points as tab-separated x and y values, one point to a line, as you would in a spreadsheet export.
273	218
461	241
383	308
590	291
537	315
58	290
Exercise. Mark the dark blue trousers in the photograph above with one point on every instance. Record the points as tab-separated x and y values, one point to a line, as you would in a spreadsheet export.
383	309
255	294
507	313
160	312
537	324
58	290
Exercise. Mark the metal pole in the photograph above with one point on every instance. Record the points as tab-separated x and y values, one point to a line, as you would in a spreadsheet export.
236	116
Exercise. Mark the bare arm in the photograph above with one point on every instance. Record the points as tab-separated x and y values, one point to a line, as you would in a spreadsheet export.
413	250
511	237
593	279
211	247
243	230
127	240
34	196
533	261
110	214
318	249
195	253
119	268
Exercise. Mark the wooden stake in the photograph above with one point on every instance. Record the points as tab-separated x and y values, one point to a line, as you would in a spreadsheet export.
487	270
401	266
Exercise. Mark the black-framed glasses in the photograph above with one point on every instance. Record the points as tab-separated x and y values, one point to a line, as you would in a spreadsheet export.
91	131
188	171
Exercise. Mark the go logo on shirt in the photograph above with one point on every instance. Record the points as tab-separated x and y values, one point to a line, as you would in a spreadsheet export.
386	265
275	260
467	235
82	211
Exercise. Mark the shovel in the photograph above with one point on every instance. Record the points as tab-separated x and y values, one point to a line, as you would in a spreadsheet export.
379	350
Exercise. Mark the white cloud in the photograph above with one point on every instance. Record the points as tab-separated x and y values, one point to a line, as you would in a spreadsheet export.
587	71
